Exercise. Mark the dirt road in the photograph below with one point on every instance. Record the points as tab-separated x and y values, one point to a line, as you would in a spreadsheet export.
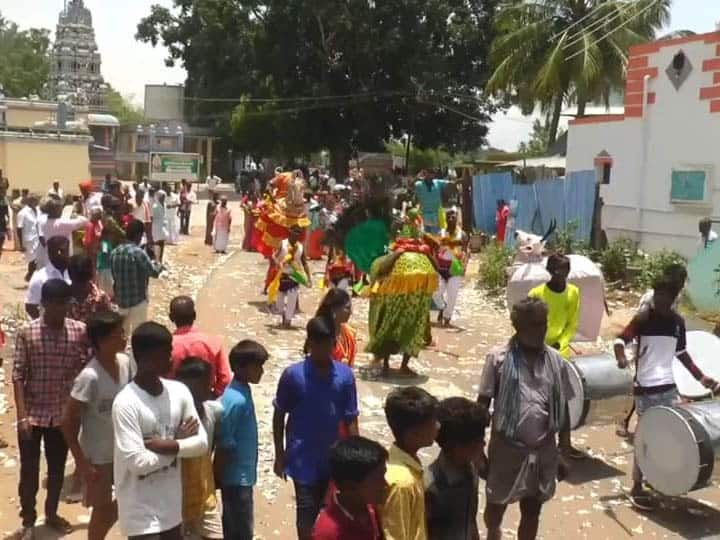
591	504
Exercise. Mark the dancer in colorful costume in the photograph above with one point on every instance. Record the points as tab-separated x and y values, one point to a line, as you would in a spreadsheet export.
283	210
287	211
403	278
284	290
452	257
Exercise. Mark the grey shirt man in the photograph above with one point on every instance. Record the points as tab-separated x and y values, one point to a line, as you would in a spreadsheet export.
525	467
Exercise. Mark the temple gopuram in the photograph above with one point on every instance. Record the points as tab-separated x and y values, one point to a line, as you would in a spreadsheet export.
75	75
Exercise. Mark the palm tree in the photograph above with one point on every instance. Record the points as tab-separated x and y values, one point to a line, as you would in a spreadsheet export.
550	52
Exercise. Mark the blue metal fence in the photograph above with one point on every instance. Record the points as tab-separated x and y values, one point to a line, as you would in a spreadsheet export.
571	199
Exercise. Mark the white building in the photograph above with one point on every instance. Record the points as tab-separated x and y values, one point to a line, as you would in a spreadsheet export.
659	161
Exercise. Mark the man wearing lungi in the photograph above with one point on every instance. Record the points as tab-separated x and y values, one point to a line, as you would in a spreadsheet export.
528	384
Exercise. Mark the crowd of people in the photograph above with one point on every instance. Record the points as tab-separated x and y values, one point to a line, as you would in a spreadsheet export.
158	425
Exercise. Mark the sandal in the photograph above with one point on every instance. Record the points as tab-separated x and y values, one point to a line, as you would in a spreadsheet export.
59	524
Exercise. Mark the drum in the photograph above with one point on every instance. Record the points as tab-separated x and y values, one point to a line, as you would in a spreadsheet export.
603	392
676	447
704	348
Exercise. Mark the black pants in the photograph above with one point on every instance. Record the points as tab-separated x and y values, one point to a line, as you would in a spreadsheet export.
55	455
237	512
185	222
309	500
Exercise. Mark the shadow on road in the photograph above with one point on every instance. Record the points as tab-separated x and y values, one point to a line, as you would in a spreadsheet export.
591	469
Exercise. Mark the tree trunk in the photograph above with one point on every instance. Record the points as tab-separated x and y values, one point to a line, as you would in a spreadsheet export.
582	103
555	120
339	158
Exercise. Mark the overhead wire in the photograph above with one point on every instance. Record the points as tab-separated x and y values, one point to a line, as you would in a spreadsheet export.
602	21
579	21
652	3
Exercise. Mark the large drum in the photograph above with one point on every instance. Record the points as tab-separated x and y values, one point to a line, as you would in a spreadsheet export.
704	348
676	447
603	392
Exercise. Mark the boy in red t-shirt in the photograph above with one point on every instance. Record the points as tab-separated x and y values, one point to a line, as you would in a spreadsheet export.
357	468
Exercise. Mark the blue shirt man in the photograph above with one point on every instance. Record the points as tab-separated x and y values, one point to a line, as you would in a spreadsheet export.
429	195
316	395
315	407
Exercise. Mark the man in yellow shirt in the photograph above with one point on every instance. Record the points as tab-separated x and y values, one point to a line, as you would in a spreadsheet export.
412	414
563	302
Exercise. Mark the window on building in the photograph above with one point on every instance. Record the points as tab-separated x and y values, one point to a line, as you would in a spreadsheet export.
606	172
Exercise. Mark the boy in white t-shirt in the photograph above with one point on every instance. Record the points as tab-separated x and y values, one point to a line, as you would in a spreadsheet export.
87	421
154	423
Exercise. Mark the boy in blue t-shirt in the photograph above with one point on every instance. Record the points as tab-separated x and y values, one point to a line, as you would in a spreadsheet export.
236	456
314	396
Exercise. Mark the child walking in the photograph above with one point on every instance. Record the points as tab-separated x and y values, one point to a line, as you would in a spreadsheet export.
412	416
236	458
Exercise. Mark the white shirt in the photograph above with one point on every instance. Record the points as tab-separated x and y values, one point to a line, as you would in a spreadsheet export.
62	227
27	220
212	182
148	485
39	278
141	212
59	193
92	203
284	251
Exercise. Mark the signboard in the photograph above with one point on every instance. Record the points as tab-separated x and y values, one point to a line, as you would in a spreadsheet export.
174	166
689	186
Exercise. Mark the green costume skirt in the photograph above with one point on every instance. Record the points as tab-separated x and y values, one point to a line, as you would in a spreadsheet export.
400	306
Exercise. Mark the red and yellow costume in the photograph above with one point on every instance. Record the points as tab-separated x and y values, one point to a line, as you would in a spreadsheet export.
286	210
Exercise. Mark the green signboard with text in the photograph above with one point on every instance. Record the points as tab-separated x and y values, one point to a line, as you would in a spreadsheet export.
174	166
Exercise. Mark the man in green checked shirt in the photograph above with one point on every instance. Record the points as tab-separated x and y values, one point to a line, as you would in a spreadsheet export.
132	269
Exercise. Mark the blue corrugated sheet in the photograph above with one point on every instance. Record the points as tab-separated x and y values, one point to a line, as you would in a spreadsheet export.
571	199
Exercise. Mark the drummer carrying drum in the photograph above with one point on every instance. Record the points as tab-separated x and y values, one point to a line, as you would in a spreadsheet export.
660	332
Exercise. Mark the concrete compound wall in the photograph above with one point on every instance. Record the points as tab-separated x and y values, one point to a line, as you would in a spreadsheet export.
676	129
33	162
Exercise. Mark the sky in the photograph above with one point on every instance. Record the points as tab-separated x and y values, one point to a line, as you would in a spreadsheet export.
128	65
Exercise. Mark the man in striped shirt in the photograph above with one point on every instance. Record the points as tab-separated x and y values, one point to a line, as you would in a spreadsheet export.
660	332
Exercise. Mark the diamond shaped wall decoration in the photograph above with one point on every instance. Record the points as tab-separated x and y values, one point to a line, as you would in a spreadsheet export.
679	70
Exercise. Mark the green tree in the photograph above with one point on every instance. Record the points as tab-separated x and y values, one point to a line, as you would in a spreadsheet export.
24	61
123	108
539	142
399	66
552	52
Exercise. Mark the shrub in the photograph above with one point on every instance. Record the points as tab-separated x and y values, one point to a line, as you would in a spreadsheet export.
563	241
616	257
494	262
655	264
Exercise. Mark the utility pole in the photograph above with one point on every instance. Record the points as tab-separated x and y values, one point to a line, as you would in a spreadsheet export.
419	90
